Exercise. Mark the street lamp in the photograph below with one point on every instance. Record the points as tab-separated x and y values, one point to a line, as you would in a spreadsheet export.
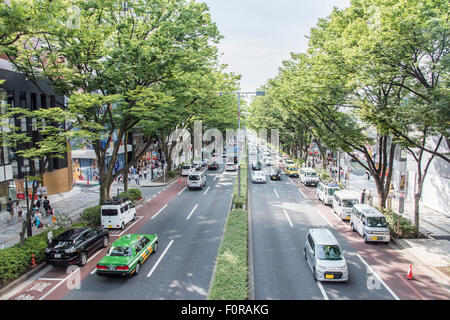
239	93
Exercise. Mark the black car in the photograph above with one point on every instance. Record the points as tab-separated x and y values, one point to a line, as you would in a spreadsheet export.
275	174
75	245
256	165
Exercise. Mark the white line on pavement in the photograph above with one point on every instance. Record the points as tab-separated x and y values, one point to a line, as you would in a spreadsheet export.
159	212
160	258
181	191
302	193
50	279
276	193
126	229
290	180
379	279
285	212
322	290
325	218
207	190
190	214
61	282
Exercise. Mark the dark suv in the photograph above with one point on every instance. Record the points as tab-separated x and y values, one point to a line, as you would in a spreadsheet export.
213	166
75	245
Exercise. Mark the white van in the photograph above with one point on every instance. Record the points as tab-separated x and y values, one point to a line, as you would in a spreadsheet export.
196	180
343	202
186	169
369	223
325	192
324	256
309	176
116	213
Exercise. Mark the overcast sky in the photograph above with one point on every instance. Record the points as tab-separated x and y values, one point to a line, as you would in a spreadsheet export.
260	34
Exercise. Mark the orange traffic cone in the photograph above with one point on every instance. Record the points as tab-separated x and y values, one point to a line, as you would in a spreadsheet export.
179	180
33	262
409	275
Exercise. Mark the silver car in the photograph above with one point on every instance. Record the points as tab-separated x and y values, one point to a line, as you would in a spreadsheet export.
324	256
258	177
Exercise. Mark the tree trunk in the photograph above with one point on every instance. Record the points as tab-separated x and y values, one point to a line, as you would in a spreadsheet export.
416	210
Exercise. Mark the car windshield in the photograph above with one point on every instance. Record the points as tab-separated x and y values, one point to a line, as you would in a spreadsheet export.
194	177
120	252
329	252
377	222
186	167
62	244
109	212
331	191
349	203
311	174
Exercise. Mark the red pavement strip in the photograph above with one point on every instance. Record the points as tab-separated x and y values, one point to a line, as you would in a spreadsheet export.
388	264
57	282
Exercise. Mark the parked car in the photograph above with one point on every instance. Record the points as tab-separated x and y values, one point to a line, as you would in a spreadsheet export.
196	180
275	174
197	164
259	177
204	163
369	223
325	191
343	202
127	254
291	171
268	161
186	169
324	256
74	246
309	176
230	166
117	212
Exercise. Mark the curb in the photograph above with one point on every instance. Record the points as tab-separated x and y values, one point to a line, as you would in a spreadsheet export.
160	184
26	276
435	274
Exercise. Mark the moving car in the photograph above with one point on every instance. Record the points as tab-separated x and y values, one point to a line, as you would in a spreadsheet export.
258	177
324	256
289	163
369	223
213	166
256	165
75	245
197	164
186	169
268	161
230	166
291	171
117	212
343	202
275	174
309	176
325	192
196	180
127	254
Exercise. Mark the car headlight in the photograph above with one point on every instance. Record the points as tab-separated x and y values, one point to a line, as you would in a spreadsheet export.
71	250
369	232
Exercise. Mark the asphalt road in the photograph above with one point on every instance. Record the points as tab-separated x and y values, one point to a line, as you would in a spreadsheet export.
281	216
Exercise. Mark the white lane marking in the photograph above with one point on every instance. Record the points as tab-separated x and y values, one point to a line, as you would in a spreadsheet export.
215	177
285	212
61	282
149	200
207	190
302	193
50	279
126	229
379	279
276	193
190	214
325	218
290	180
159	212
160	258
322	290
181	191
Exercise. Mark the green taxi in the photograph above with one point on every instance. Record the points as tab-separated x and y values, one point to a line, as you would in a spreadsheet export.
127	254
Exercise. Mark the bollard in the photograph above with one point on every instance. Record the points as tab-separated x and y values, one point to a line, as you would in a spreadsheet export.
401	204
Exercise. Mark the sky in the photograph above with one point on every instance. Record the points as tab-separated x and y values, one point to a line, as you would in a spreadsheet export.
260	34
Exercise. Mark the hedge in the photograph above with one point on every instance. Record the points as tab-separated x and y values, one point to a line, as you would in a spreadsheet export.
132	193
399	226
91	216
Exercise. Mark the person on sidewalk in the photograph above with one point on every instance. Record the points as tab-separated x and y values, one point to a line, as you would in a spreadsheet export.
18	210
10	209
37	219
47	207
363	194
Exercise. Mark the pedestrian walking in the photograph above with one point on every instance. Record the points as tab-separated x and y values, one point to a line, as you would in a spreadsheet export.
363	194
38	219
18	210
47	206
368	175
10	209
145	173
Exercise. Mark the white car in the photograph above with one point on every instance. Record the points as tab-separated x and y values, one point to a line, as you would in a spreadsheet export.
197	164
187	169
196	180
258	177
116	213
268	162
230	166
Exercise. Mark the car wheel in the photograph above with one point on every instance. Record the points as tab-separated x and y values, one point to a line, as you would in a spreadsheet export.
122	226
137	269
314	274
304	253
83	259
365	238
134	217
105	242
352	226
